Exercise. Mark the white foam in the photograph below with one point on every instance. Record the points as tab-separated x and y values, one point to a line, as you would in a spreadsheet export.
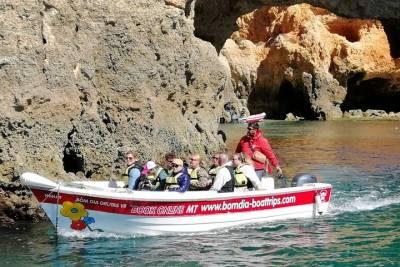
368	202
88	234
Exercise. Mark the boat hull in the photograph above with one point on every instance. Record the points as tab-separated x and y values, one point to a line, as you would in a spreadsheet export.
152	213
105	207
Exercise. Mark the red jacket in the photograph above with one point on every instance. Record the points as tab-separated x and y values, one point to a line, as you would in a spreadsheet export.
257	143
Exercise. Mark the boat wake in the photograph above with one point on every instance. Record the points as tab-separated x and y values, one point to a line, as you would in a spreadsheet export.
95	235
371	201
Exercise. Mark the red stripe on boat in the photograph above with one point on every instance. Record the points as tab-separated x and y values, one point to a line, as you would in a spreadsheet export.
153	208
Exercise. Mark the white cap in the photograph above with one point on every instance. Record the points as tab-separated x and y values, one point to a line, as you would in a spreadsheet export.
150	165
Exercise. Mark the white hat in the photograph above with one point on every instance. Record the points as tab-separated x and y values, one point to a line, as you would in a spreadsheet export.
150	165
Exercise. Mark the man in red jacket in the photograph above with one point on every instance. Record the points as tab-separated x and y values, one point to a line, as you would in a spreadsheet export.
258	149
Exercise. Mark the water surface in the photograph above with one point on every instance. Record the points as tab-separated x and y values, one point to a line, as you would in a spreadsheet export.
360	159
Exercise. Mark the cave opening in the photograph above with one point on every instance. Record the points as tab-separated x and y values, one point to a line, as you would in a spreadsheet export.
392	30
287	99
375	93
261	100
293	100
72	162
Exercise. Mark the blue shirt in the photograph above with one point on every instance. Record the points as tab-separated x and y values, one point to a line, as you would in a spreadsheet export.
134	174
183	182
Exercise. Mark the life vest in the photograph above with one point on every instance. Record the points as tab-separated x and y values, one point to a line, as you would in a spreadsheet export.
129	168
193	174
172	181
213	171
230	185
240	179
154	177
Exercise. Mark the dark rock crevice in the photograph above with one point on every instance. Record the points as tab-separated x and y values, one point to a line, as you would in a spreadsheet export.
375	93
73	161
392	29
215	21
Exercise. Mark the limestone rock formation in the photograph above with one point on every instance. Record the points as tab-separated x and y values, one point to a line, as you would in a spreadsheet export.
371	114
83	81
306	60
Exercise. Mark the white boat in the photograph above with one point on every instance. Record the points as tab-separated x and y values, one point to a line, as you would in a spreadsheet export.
253	118
102	206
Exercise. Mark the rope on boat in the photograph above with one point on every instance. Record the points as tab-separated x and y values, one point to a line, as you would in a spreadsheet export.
58	199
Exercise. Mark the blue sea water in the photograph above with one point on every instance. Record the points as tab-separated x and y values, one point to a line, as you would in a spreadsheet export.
361	159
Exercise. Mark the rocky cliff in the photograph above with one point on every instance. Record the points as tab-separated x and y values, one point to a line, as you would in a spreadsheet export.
306	60
83	81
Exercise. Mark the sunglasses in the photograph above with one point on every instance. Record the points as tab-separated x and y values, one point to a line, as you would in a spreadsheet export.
175	166
250	129
128	157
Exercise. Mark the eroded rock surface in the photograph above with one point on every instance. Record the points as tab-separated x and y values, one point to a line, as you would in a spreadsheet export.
308	61
83	81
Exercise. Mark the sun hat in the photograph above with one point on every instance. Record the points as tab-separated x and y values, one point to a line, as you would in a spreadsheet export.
150	165
178	162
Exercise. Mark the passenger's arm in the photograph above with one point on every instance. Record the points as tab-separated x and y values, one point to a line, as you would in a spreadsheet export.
269	153
203	179
184	184
251	174
219	179
163	176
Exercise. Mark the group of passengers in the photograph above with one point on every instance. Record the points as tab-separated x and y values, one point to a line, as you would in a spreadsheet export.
251	161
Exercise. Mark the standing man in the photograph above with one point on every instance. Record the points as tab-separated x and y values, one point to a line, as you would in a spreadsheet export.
258	149
133	170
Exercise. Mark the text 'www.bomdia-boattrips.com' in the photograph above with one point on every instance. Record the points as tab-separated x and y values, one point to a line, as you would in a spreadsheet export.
222	206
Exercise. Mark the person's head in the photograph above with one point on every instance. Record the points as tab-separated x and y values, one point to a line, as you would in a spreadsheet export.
177	165
194	161
215	159
240	158
252	128
168	158
223	158
131	157
151	166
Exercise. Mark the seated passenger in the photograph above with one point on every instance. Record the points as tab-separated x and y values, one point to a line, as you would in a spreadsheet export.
152	180
224	181
179	179
199	179
166	170
245	175
133	170
212	172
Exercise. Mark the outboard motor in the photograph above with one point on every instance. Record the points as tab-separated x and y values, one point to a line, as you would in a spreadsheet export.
303	178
